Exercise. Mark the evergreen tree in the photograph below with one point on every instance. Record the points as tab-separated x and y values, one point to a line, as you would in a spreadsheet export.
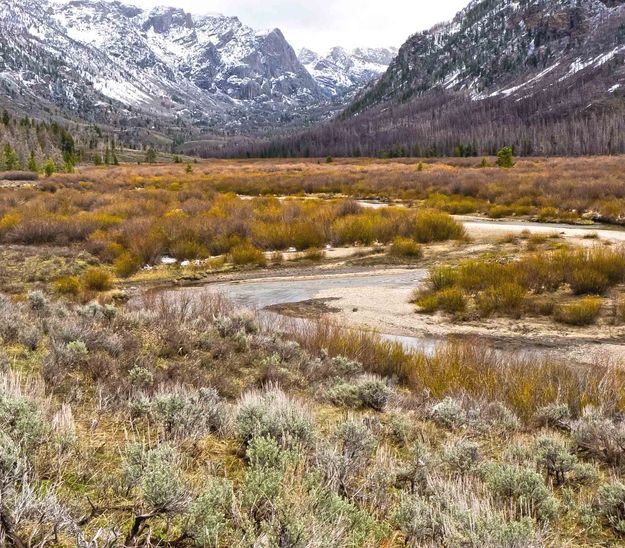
97	159
108	159
505	157
49	167
189	168
11	161
115	160
32	162
6	119
150	155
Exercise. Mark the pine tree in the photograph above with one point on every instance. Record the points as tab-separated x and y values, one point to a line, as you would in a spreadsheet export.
150	156
6	119
11	161
108	160
115	160
189	168
32	162
505	157
97	159
49	167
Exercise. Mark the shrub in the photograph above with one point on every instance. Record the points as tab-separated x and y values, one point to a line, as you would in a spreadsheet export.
586	281
209	517
369	392
273	414
189	250
611	505
31	336
406	247
599	437
448	413
434	226
451	300
461	456
579	313
126	264
314	254
507	298
442	278
69	285
524	487
97	279
157	472
427	302
554	415
555	458
186	413
22	420
247	254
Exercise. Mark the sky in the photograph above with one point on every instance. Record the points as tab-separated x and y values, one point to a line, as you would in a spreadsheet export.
321	24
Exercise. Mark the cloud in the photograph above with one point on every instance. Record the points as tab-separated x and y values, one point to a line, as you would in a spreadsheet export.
322	24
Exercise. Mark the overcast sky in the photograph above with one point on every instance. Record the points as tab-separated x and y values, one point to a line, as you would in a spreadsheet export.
321	24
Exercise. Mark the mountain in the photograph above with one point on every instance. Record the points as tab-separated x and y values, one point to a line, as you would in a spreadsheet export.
546	76
157	75
343	72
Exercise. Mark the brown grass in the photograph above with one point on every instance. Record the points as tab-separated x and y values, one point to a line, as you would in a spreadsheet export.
523	383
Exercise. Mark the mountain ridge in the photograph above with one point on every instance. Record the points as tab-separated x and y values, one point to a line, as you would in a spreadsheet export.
544	76
162	71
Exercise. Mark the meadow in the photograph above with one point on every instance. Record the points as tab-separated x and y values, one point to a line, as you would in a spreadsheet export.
131	416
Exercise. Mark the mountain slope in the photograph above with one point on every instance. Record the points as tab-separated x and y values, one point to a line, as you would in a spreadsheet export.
161	75
546	76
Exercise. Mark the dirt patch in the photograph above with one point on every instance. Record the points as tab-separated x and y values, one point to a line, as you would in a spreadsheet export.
312	309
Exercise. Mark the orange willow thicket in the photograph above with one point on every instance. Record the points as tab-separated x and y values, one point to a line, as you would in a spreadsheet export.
130	226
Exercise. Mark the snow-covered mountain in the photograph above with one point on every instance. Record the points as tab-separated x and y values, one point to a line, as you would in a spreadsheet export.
544	76
510	48
342	71
109	62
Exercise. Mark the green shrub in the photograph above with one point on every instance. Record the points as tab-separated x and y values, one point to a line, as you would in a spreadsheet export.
185	413
427	302
611	505
406	247
448	413
442	277
554	458
579	313
370	392
461	456
208	520
273	414
189	250
22	421
521	486
97	279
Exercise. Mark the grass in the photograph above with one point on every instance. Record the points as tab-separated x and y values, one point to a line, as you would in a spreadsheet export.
406	248
582	312
361	443
128	226
514	287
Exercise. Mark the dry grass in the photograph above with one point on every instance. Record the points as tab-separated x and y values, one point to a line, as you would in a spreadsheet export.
512	287
523	383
